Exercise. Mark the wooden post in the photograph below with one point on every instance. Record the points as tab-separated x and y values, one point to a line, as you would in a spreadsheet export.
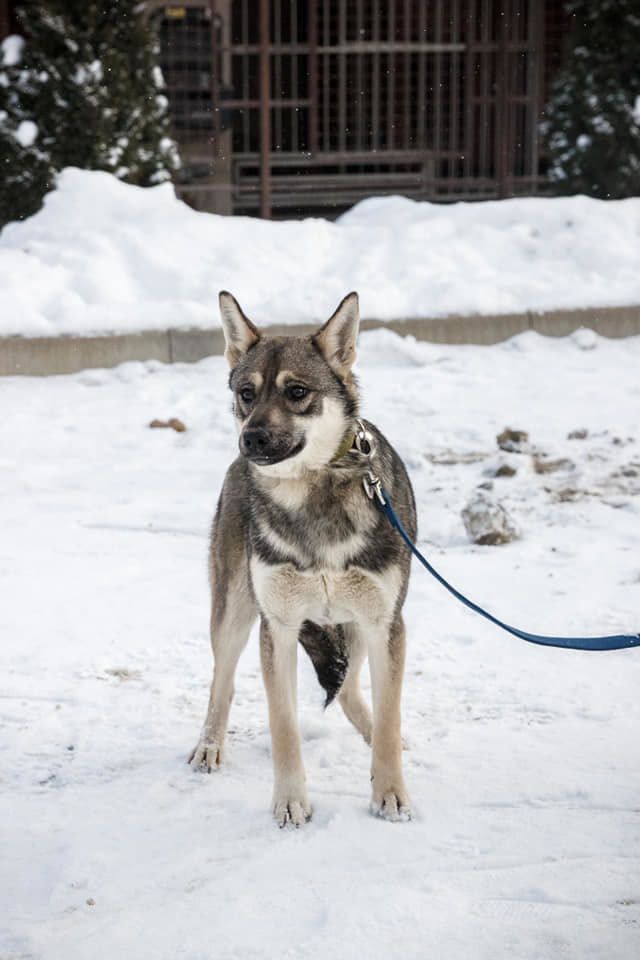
5	19
536	86
265	113
313	76
220	201
503	125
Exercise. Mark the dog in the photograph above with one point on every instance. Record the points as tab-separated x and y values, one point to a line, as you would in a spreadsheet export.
297	541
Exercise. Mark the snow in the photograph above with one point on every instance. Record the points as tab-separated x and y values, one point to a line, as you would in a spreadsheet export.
26	133
158	79
103	256
89	73
11	50
522	762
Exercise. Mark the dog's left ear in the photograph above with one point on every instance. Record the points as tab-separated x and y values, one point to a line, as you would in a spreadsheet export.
337	339
239	333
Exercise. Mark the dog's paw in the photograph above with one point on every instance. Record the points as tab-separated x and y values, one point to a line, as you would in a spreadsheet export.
207	755
391	803
392	808
294	810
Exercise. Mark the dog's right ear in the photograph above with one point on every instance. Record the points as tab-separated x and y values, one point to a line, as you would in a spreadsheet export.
239	333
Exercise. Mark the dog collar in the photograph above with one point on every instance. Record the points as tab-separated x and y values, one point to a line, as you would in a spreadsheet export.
360	440
344	448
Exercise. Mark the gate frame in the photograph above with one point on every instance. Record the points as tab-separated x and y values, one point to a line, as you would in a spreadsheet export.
503	100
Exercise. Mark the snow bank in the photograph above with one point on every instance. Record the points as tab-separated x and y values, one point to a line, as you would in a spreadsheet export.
103	256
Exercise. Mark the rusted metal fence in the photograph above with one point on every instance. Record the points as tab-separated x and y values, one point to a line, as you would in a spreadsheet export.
283	107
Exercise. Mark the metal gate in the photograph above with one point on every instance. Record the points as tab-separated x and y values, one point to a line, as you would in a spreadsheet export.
283	107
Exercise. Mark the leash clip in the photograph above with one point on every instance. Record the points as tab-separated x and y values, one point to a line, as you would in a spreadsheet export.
373	487
365	444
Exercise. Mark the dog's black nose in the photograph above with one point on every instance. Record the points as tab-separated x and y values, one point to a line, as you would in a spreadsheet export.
255	442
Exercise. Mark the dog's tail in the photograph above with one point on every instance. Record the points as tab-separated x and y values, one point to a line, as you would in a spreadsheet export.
328	651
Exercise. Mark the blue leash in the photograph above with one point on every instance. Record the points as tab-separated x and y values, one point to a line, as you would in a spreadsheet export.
617	642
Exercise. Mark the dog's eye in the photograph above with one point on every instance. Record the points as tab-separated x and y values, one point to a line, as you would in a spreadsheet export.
296	392
246	394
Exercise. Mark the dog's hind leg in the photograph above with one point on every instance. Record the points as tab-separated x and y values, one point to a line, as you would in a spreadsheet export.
278	653
386	660
350	696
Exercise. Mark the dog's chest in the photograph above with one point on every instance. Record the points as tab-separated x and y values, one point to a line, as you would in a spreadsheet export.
323	525
305	552
290	596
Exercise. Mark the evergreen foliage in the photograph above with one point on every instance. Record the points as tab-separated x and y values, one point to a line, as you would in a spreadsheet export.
87	78
593	119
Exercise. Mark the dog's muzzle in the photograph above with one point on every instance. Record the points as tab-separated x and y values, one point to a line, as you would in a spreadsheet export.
263	448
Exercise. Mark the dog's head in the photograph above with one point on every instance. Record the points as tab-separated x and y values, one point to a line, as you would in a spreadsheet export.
295	398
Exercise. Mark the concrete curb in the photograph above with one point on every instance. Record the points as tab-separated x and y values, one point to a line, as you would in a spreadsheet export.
44	356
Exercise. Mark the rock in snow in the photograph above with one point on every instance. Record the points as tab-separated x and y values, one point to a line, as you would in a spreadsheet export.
513	441
487	522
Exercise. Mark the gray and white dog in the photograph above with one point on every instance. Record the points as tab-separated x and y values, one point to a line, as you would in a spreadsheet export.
296	541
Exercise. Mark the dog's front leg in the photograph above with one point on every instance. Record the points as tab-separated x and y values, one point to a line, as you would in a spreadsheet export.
389	797
233	611
278	654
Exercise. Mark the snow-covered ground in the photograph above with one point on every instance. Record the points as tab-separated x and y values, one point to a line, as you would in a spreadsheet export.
106	257
522	761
